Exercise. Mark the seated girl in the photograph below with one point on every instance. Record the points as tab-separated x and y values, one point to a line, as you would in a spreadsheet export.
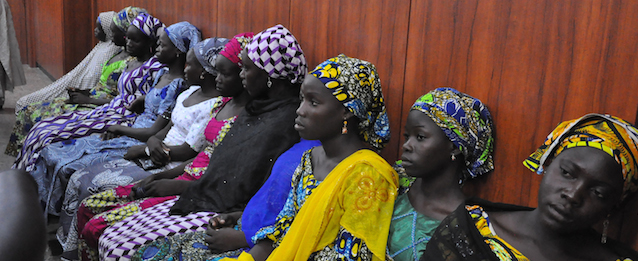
110	62
227	235
134	82
159	188
241	162
340	204
589	167
62	159
448	139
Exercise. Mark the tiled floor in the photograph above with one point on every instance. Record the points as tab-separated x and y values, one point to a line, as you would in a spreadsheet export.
36	79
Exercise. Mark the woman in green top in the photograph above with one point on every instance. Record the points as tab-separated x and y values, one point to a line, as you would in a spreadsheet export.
38	106
448	139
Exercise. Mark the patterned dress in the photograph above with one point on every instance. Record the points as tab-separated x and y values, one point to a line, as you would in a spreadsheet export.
101	210
344	247
131	85
65	157
410	231
33	113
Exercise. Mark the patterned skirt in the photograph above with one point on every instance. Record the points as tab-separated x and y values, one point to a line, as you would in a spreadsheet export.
121	240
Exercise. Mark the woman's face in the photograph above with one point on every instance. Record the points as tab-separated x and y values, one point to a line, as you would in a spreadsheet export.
193	69
426	150
253	78
166	52
579	188
320	115
99	32
228	80
137	43
119	37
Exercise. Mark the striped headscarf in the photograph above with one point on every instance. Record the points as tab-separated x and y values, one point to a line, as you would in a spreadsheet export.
234	47
183	35
277	52
356	84
106	19
206	52
148	24
467	122
125	17
614	136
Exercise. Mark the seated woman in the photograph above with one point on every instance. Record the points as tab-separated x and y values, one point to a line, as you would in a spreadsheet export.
448	139
179	141
135	81
39	105
241	163
589	167
121	200
340	204
62	159
227	235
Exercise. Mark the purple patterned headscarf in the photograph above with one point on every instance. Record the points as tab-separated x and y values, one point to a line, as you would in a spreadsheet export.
277	52
148	24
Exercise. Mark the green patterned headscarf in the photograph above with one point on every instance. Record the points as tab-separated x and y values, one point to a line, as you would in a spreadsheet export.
356	84
125	17
466	121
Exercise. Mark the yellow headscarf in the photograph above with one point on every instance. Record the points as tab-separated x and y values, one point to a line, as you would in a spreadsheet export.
614	136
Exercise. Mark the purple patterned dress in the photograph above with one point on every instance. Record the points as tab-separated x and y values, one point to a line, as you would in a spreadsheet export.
131	85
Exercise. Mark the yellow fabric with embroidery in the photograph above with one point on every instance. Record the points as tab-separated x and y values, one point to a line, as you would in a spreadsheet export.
359	195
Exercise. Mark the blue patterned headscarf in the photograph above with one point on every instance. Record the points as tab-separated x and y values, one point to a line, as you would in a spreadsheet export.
206	52
125	17
466	121
148	24
356	84
183	35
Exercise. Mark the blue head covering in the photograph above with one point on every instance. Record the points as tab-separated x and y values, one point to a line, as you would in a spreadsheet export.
125	17
183	35
466	121
206	52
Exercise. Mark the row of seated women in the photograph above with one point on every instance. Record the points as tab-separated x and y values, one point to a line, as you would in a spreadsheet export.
222	149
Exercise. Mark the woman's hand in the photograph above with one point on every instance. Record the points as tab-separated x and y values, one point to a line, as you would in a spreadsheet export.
224	239
138	190
160	154
135	152
112	132
224	220
78	98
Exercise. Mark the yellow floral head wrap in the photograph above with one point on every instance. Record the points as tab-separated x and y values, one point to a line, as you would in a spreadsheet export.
614	136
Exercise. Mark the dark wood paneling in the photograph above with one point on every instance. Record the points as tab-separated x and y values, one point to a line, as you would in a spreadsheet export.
48	17
78	32
199	13
375	32
251	16
19	14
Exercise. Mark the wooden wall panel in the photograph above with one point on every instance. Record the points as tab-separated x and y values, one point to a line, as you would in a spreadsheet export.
199	13
240	16
19	14
375	32
78	28
48	17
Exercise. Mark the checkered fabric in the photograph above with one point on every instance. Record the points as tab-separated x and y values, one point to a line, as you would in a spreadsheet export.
277	52
122	239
